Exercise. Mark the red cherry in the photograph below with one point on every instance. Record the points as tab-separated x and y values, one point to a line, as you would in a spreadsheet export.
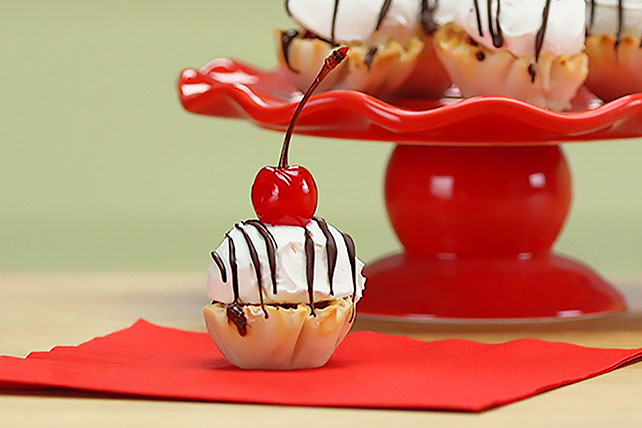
285	196
288	194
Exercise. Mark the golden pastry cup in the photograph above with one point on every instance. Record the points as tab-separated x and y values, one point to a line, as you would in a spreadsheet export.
550	83
388	69
614	71
289	338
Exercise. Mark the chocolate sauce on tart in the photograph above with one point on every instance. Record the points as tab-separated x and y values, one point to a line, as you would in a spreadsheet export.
330	250
352	256
234	310
317	305
270	246
494	25
323	304
541	33
620	21
471	41
428	16
309	267
236	315
287	37
385	7
496	33
427	13
532	71
591	16
495	28
234	267
256	263
334	21
478	16
370	56
221	266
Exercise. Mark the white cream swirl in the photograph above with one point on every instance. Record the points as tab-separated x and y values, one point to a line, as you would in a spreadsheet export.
356	20
520	22
291	279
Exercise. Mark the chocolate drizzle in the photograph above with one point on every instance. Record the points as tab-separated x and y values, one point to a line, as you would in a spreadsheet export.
309	267
385	7
541	33
334	21
532	71
234	310
591	16
287	37
370	56
427	20
428	16
352	256
620	22
330	250
257	265
478	15
221	266
235	269
270	246
496	33
494	26
235	315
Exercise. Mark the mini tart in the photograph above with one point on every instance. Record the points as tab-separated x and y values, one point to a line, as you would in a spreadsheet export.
429	78
291	337
550	83
614	70
376	70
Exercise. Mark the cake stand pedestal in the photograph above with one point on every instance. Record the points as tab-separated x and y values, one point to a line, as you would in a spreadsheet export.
478	225
477	191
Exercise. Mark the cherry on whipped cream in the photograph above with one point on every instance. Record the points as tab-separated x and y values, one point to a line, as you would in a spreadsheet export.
287	194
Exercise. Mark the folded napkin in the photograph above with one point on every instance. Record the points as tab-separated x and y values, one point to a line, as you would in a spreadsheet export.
368	370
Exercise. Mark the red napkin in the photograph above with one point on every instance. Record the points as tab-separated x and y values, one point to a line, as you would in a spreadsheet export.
368	370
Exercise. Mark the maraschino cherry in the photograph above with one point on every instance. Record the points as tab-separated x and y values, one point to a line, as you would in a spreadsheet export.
287	194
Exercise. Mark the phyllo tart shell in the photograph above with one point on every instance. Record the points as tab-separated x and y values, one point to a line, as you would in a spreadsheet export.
615	71
377	70
279	337
551	82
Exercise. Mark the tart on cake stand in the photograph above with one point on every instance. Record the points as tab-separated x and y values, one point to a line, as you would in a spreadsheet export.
477	191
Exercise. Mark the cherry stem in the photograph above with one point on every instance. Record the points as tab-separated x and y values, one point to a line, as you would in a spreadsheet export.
333	60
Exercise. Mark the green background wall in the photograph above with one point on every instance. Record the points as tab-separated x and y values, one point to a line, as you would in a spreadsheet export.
100	169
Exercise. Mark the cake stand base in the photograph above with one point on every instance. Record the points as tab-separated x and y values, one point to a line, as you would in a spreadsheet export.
545	287
478	226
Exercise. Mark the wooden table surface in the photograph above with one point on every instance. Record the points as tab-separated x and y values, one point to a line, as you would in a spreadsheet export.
38	311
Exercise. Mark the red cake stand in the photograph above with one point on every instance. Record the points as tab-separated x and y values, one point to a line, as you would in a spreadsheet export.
477	191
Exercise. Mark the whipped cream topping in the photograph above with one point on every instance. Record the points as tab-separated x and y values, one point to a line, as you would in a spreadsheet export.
605	17
291	267
356	20
520	21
